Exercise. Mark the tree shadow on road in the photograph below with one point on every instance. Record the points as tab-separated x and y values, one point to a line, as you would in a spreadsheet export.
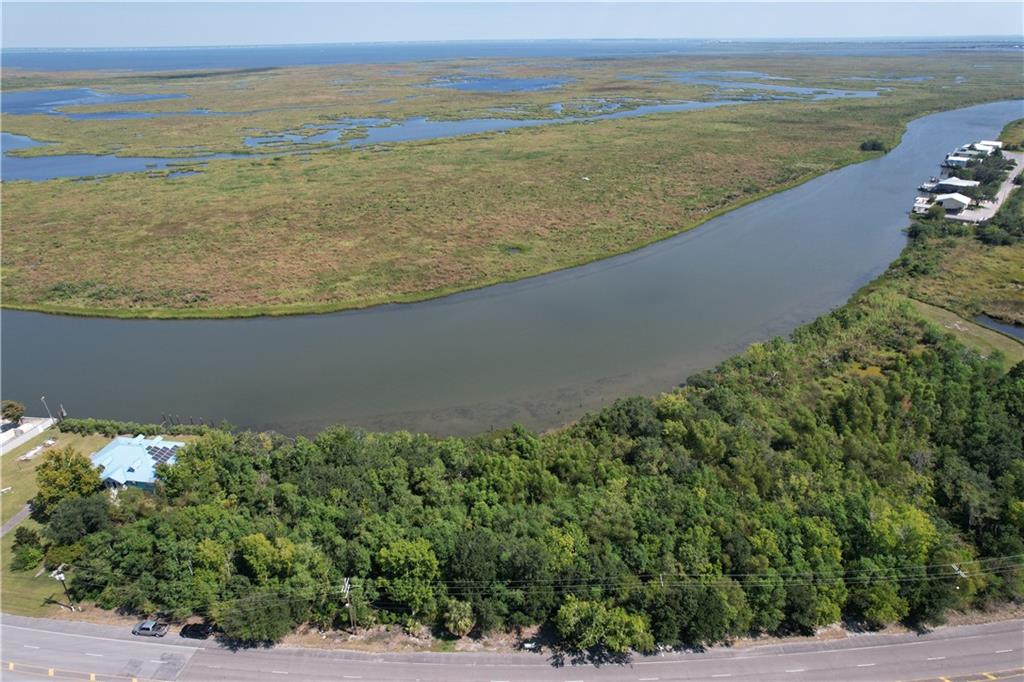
235	644
597	657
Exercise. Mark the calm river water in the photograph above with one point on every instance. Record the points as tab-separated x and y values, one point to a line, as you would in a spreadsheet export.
540	351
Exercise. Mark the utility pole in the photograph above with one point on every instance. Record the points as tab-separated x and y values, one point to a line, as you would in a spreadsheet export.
346	589
48	413
960	572
58	575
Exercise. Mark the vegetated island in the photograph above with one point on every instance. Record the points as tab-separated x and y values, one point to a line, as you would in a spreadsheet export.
307	226
870	468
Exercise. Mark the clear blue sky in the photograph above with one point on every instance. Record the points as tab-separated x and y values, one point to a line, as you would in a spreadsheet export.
144	24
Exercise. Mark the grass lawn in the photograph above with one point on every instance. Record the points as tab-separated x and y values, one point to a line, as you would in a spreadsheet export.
983	340
21	475
23	592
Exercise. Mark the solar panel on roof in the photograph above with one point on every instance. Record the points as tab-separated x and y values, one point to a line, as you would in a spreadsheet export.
161	454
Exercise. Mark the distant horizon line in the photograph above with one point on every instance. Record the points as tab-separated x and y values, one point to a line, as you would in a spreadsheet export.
818	39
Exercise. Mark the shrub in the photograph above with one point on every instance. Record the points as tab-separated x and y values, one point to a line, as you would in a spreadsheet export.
872	145
458	617
28	550
13	411
111	428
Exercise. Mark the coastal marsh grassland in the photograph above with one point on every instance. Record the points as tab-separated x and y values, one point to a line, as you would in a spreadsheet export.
995	274
347	228
273	100
1013	134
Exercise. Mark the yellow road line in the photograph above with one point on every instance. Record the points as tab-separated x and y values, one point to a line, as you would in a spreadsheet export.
58	673
1013	674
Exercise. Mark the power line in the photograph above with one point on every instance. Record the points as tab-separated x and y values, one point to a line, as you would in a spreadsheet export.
722	580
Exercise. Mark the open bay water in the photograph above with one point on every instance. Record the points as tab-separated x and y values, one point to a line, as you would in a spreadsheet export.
541	351
53	101
261	57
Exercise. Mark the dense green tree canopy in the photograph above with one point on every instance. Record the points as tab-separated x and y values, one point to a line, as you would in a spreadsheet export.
64	474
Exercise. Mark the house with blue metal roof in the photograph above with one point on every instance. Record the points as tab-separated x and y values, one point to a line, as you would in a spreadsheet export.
128	461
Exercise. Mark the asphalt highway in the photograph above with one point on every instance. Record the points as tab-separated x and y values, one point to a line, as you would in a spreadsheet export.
34	648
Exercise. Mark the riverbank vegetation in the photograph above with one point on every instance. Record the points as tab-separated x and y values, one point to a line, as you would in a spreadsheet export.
870	468
351	228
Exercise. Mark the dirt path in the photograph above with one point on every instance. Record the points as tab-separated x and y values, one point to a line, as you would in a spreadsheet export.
15	520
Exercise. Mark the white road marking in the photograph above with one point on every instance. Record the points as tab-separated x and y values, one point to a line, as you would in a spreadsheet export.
154	661
1005	651
864	665
96	655
776	656
352	677
937	658
135	642
796	670
722	675
819	652
279	672
29	646
647	679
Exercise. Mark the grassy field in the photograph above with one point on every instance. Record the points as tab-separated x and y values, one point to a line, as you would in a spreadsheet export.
1013	134
995	276
21	475
352	228
24	592
983	340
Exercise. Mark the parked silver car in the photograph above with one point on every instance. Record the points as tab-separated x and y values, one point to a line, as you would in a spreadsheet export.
151	628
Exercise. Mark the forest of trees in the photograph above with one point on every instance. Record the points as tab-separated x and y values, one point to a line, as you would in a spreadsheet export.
869	468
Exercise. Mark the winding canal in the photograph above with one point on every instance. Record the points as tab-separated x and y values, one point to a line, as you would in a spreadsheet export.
540	351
